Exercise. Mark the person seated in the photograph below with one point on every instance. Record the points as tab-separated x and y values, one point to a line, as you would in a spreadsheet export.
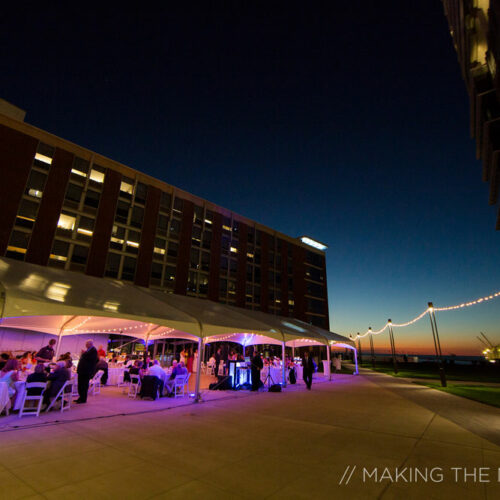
101	352
179	369
10	375
157	371
65	356
136	369
26	361
102	365
4	357
38	375
56	380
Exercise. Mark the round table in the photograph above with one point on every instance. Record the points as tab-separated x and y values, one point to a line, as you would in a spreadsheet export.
4	397
115	376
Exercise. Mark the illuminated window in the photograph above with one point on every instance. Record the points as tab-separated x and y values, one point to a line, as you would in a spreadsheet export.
59	254
203	284
234	250
66	222
132	242
96	176
80	169
43	156
127	188
159	247
18	243
117	237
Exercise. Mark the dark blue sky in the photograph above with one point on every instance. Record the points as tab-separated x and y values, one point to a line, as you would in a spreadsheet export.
345	122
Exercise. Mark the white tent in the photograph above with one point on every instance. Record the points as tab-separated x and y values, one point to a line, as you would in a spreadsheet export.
59	302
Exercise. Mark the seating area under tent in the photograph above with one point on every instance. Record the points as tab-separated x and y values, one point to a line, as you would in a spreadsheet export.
63	304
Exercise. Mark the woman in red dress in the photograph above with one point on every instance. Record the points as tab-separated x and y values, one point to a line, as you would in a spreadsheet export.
190	359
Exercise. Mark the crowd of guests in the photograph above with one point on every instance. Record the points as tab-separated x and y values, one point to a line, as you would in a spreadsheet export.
149	368
42	368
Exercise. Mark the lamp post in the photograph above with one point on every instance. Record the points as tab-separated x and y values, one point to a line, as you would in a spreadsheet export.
437	343
359	350
393	346
371	347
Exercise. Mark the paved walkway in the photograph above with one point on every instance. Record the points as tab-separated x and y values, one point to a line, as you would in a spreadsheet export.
295	444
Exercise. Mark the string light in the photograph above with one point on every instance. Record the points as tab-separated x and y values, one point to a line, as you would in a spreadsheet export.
422	314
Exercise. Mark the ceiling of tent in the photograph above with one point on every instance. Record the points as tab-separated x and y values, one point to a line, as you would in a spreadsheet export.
56	301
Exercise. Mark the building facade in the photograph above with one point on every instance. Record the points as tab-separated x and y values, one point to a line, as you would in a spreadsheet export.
475	29
67	207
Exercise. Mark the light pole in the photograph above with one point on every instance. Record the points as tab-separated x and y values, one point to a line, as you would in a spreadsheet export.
359	350
437	343
371	347
393	346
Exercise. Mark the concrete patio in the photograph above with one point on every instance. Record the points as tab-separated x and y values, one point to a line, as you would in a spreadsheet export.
295	444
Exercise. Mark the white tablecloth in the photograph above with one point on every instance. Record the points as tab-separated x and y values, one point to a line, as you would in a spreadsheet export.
19	395
115	376
276	374
4	397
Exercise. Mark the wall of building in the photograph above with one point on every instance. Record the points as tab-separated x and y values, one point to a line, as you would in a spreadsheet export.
75	210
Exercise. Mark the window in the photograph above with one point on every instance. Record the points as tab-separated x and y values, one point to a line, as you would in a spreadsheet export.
175	228
127	188
113	265
198	215
249	273
194	258
18	242
203	284
137	216
141	191
178	206
192	282
225	244
132	243
165	202
162	225
27	213
92	200
226	224
315	306
60	251
128	271
159	247
169	278
117	237
196	236
122	208
257	274
80	169
44	155
156	272
233	268
207	239
36	184
224	264
205	261
315	274
236	229
85	228
222	287
172	252
66	224
315	289
73	195
209	219
314	259
79	254
231	287
97	174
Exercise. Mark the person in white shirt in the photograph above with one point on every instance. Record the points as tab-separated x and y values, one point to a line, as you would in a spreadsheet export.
157	371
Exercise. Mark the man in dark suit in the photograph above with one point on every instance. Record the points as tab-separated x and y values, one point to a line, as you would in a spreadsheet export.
86	370
257	366
308	369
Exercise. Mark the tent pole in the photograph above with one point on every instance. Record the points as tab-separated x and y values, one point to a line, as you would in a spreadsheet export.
356	362
197	397
328	360
61	333
283	364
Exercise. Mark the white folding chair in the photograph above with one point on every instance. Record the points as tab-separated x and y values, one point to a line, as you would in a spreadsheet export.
65	394
210	369
203	368
74	385
180	385
134	387
95	383
32	409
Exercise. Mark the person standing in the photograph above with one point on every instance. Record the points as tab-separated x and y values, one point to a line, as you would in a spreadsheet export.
46	354
217	361
257	366
86	370
308	369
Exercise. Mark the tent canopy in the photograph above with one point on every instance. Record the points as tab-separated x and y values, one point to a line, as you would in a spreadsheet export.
62	302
